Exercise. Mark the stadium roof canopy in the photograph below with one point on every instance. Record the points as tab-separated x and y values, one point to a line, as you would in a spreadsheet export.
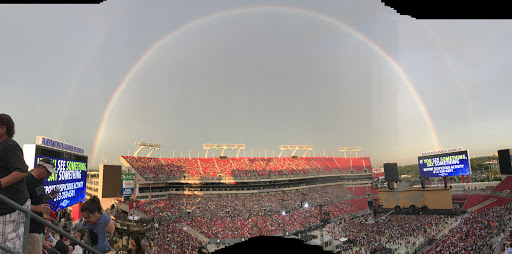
143	145
349	149
295	148
223	147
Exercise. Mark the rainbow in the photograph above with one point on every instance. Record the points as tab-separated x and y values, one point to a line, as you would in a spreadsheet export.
207	18
88	61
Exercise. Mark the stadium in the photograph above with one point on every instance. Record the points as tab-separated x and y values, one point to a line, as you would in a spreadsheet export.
298	126
181	205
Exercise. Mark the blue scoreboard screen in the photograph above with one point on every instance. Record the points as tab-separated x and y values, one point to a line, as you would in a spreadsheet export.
71	178
446	164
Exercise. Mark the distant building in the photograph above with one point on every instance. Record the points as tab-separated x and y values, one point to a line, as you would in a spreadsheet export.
104	183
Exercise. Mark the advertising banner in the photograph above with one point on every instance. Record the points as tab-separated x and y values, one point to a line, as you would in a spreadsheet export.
128	183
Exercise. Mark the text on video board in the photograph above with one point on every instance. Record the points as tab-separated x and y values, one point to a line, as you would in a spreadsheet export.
71	180
448	164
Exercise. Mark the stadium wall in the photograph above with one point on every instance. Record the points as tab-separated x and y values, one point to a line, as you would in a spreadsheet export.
143	196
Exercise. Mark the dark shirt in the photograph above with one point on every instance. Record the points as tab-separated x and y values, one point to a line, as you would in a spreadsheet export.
11	160
136	252
37	194
62	247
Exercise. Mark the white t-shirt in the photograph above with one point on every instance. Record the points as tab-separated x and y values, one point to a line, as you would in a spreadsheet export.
77	250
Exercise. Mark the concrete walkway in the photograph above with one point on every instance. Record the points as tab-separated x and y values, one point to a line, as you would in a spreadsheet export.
193	232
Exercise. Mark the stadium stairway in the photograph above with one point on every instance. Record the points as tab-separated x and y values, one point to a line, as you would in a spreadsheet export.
193	232
478	206
451	225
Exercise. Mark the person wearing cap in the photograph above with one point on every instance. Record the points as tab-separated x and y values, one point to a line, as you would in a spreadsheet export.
13	170
35	186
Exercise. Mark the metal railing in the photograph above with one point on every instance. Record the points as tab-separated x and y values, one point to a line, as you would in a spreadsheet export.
30	215
501	241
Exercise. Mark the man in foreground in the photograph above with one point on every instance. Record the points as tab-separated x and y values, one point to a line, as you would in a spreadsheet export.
35	186
13	169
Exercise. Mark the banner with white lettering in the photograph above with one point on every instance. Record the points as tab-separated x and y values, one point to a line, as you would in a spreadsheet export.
448	164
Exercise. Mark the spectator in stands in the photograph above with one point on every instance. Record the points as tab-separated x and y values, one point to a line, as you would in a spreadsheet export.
35	187
136	246
474	232
50	237
13	169
62	216
68	222
79	224
508	249
48	244
80	235
98	223
62	245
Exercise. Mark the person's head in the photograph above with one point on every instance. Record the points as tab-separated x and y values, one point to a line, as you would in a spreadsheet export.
91	210
79	234
7	129
63	237
135	244
44	169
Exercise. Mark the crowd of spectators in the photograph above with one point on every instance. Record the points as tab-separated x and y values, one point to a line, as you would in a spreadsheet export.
225	167
237	216
475	231
53	242
170	238
241	216
208	167
151	168
394	231
172	168
244	215
241	204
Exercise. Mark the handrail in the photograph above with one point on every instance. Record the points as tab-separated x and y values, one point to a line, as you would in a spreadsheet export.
28	215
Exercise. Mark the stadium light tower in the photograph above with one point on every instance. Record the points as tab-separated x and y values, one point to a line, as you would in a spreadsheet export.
295	148
223	147
143	145
353	149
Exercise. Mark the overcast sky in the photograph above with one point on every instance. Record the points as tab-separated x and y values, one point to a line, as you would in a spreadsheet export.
320	73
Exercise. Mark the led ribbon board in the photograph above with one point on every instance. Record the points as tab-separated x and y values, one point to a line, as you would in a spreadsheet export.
447	164
71	178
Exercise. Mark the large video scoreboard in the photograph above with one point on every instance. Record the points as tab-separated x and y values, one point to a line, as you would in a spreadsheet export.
444	164
71	166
